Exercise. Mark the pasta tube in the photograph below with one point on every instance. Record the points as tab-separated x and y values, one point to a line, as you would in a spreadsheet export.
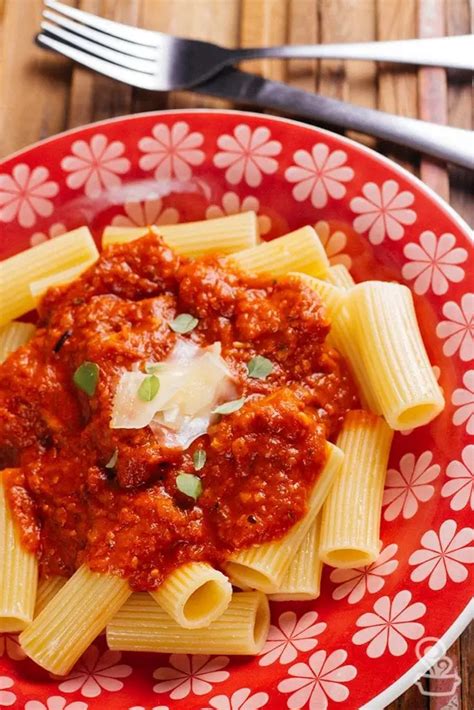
298	251
350	527
223	235
331	296
12	336
393	355
18	572
17	272
73	618
141	625
303	577
194	595
339	275
263	567
47	589
38	288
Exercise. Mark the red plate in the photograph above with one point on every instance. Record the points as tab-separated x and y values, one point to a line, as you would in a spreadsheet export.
362	640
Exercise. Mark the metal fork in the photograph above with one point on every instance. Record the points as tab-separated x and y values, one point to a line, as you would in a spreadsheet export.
177	63
129	55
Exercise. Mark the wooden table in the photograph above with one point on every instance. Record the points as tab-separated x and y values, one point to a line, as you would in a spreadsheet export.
42	94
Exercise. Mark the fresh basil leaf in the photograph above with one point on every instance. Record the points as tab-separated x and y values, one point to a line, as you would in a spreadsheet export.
149	388
259	367
86	377
113	460
184	323
189	484
199	458
229	407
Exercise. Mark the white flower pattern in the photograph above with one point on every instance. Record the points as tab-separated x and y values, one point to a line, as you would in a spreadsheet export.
54	231
434	262
26	193
458	330
383	211
292	634
319	175
96	672
242	699
10	646
7	698
143	214
231	204
334	244
463	399
247	155
404	489
55	702
356	582
461	485
314	684
171	151
442	556
389	625
190	674
96	165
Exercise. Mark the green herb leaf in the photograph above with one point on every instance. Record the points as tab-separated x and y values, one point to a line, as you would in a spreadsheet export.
199	458
229	407
113	460
189	484
259	367
149	388
184	323
86	377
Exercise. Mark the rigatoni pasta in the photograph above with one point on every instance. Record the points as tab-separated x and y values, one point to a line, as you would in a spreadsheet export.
339	275
225	235
393	355
141	625
302	580
73	618
48	587
18	572
350	525
12	336
194	595
263	567
331	296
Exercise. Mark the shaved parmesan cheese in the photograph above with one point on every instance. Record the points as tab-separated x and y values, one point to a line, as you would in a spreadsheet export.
193	381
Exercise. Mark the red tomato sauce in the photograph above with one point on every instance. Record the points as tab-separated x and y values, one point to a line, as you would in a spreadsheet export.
262	460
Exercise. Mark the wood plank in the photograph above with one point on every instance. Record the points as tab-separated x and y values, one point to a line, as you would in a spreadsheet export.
35	83
397	84
212	20
433	93
264	23
303	29
95	97
467	664
459	20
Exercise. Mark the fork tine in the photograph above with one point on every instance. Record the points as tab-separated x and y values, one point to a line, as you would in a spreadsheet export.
122	60
126	76
136	50
116	29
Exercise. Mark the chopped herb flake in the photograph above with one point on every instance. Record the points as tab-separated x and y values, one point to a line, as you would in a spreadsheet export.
184	323
113	460
151	368
189	484
229	407
86	377
60	342
259	367
149	388
199	458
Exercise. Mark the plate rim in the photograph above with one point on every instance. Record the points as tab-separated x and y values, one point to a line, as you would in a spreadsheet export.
355	145
398	687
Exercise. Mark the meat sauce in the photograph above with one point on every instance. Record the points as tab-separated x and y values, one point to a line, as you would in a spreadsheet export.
262	461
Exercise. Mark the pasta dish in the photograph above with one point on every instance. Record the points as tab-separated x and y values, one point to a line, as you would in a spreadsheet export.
197	422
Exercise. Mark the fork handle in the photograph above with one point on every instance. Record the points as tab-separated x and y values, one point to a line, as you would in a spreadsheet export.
453	52
451	144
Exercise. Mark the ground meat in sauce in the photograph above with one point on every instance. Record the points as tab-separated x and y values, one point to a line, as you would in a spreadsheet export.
262	461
